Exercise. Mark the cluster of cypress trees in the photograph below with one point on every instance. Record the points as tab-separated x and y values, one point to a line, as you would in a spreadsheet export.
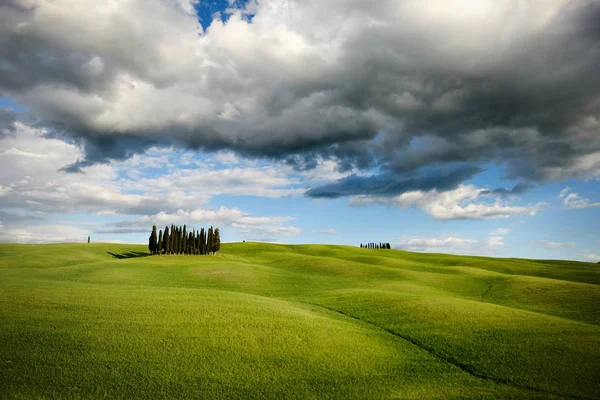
178	240
375	246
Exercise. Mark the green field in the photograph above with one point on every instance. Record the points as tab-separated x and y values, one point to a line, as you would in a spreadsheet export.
304	321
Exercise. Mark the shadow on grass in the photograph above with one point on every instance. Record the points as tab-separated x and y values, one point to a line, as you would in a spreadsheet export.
131	254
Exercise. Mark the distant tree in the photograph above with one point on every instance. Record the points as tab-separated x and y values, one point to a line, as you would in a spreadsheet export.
159	245
217	240
198	249
179	240
206	248
173	239
202	241
200	233
184	242
209	241
152	240
88	239
165	244
176	241
192	241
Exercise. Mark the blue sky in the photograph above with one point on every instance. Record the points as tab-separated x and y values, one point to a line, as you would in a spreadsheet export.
304	123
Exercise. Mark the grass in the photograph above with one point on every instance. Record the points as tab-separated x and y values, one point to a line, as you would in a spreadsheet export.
308	321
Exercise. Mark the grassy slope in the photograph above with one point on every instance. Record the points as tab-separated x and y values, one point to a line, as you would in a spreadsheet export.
273	321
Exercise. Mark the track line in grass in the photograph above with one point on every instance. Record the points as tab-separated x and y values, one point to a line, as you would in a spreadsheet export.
486	291
451	360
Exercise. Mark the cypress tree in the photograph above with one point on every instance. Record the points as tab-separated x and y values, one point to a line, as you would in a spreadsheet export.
88	239
166	239
172	240
192	241
160	243
152	240
181	241
202	241
217	240
176	242
184	241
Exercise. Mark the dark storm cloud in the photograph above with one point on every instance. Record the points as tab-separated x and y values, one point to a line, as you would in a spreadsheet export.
103	149
7	122
516	190
406	89
391	185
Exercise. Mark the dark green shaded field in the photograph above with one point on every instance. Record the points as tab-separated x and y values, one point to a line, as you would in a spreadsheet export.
307	321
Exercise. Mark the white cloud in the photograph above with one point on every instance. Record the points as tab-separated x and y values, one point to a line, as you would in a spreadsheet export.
449	243
500	232
221	216
495	241
564	192
592	257
257	228
554	245
176	190
43	234
574	201
269	234
34	179
464	202
326	232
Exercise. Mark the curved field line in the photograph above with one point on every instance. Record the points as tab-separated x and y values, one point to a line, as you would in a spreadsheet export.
451	360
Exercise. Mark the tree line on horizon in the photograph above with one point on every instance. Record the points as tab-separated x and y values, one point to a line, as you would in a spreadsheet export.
375	245
178	240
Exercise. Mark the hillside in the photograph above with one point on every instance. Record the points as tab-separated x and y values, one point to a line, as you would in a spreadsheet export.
302	321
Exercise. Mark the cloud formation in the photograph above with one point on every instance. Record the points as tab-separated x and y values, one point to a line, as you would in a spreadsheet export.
389	184
449	243
464	202
573	200
161	187
394	85
554	245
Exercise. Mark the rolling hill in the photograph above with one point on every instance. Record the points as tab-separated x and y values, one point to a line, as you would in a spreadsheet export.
294	321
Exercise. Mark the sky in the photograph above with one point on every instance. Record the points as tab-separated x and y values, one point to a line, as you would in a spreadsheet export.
455	126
